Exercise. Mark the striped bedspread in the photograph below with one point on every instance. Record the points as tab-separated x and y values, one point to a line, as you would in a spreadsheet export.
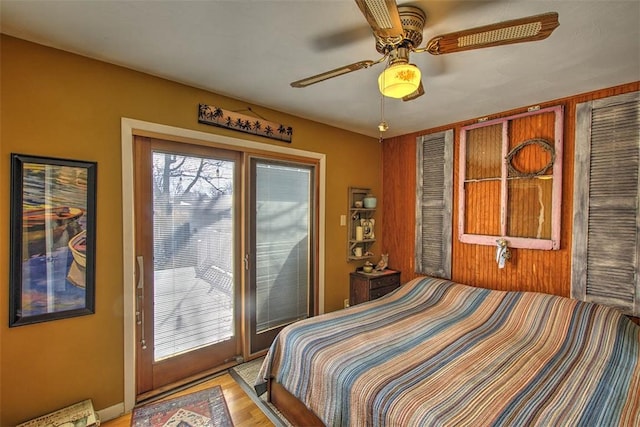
440	353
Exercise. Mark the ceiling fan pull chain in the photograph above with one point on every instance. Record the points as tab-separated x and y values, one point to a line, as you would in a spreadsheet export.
383	126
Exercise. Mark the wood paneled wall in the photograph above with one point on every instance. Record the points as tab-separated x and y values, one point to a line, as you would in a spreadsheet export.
528	270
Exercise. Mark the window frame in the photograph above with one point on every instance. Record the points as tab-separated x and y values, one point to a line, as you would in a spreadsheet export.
556	199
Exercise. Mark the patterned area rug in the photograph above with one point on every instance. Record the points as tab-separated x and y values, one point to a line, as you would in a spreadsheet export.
206	408
245	374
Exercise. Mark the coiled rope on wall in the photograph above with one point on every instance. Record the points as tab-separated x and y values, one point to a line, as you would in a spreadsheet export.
544	144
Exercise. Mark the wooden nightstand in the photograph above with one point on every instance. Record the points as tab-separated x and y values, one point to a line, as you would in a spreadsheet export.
369	286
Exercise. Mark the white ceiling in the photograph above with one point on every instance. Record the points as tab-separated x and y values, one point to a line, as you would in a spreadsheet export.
252	49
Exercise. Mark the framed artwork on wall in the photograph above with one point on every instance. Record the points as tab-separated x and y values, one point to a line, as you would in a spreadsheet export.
52	239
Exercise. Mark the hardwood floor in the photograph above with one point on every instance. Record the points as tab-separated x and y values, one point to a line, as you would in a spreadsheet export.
244	412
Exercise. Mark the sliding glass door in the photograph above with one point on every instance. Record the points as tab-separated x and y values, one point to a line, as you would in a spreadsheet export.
209	264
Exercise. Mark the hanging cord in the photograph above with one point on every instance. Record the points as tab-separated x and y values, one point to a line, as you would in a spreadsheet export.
383	126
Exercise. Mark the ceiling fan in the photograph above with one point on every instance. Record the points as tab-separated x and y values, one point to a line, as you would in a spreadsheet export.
398	32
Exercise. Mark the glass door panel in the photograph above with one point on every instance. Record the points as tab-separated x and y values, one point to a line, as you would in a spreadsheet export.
282	242
188	308
193	268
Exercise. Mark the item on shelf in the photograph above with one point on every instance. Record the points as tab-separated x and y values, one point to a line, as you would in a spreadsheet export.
367	227
370	201
367	267
383	263
357	251
357	204
359	233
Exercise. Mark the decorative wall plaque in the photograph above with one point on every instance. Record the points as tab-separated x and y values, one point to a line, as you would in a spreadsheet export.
216	116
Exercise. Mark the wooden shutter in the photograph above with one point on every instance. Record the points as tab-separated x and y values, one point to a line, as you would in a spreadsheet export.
433	204
606	224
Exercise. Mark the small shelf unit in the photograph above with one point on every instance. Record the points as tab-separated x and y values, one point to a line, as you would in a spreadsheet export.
355	215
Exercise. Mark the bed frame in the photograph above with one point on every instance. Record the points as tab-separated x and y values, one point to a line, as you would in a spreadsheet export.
294	410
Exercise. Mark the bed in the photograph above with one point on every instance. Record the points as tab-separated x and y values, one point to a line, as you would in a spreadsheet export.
435	352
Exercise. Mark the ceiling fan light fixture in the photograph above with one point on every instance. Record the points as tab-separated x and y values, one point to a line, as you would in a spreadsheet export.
399	80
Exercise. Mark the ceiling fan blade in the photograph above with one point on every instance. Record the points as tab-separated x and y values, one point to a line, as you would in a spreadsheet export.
333	73
383	17
521	30
416	94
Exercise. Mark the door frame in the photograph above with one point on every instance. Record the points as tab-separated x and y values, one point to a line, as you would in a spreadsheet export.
131	127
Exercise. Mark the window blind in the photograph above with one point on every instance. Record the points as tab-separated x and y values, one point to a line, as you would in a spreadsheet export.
283	218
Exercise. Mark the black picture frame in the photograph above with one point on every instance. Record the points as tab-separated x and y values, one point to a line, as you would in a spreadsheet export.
52	239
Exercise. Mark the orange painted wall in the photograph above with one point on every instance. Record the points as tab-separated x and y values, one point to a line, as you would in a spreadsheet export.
58	104
528	270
